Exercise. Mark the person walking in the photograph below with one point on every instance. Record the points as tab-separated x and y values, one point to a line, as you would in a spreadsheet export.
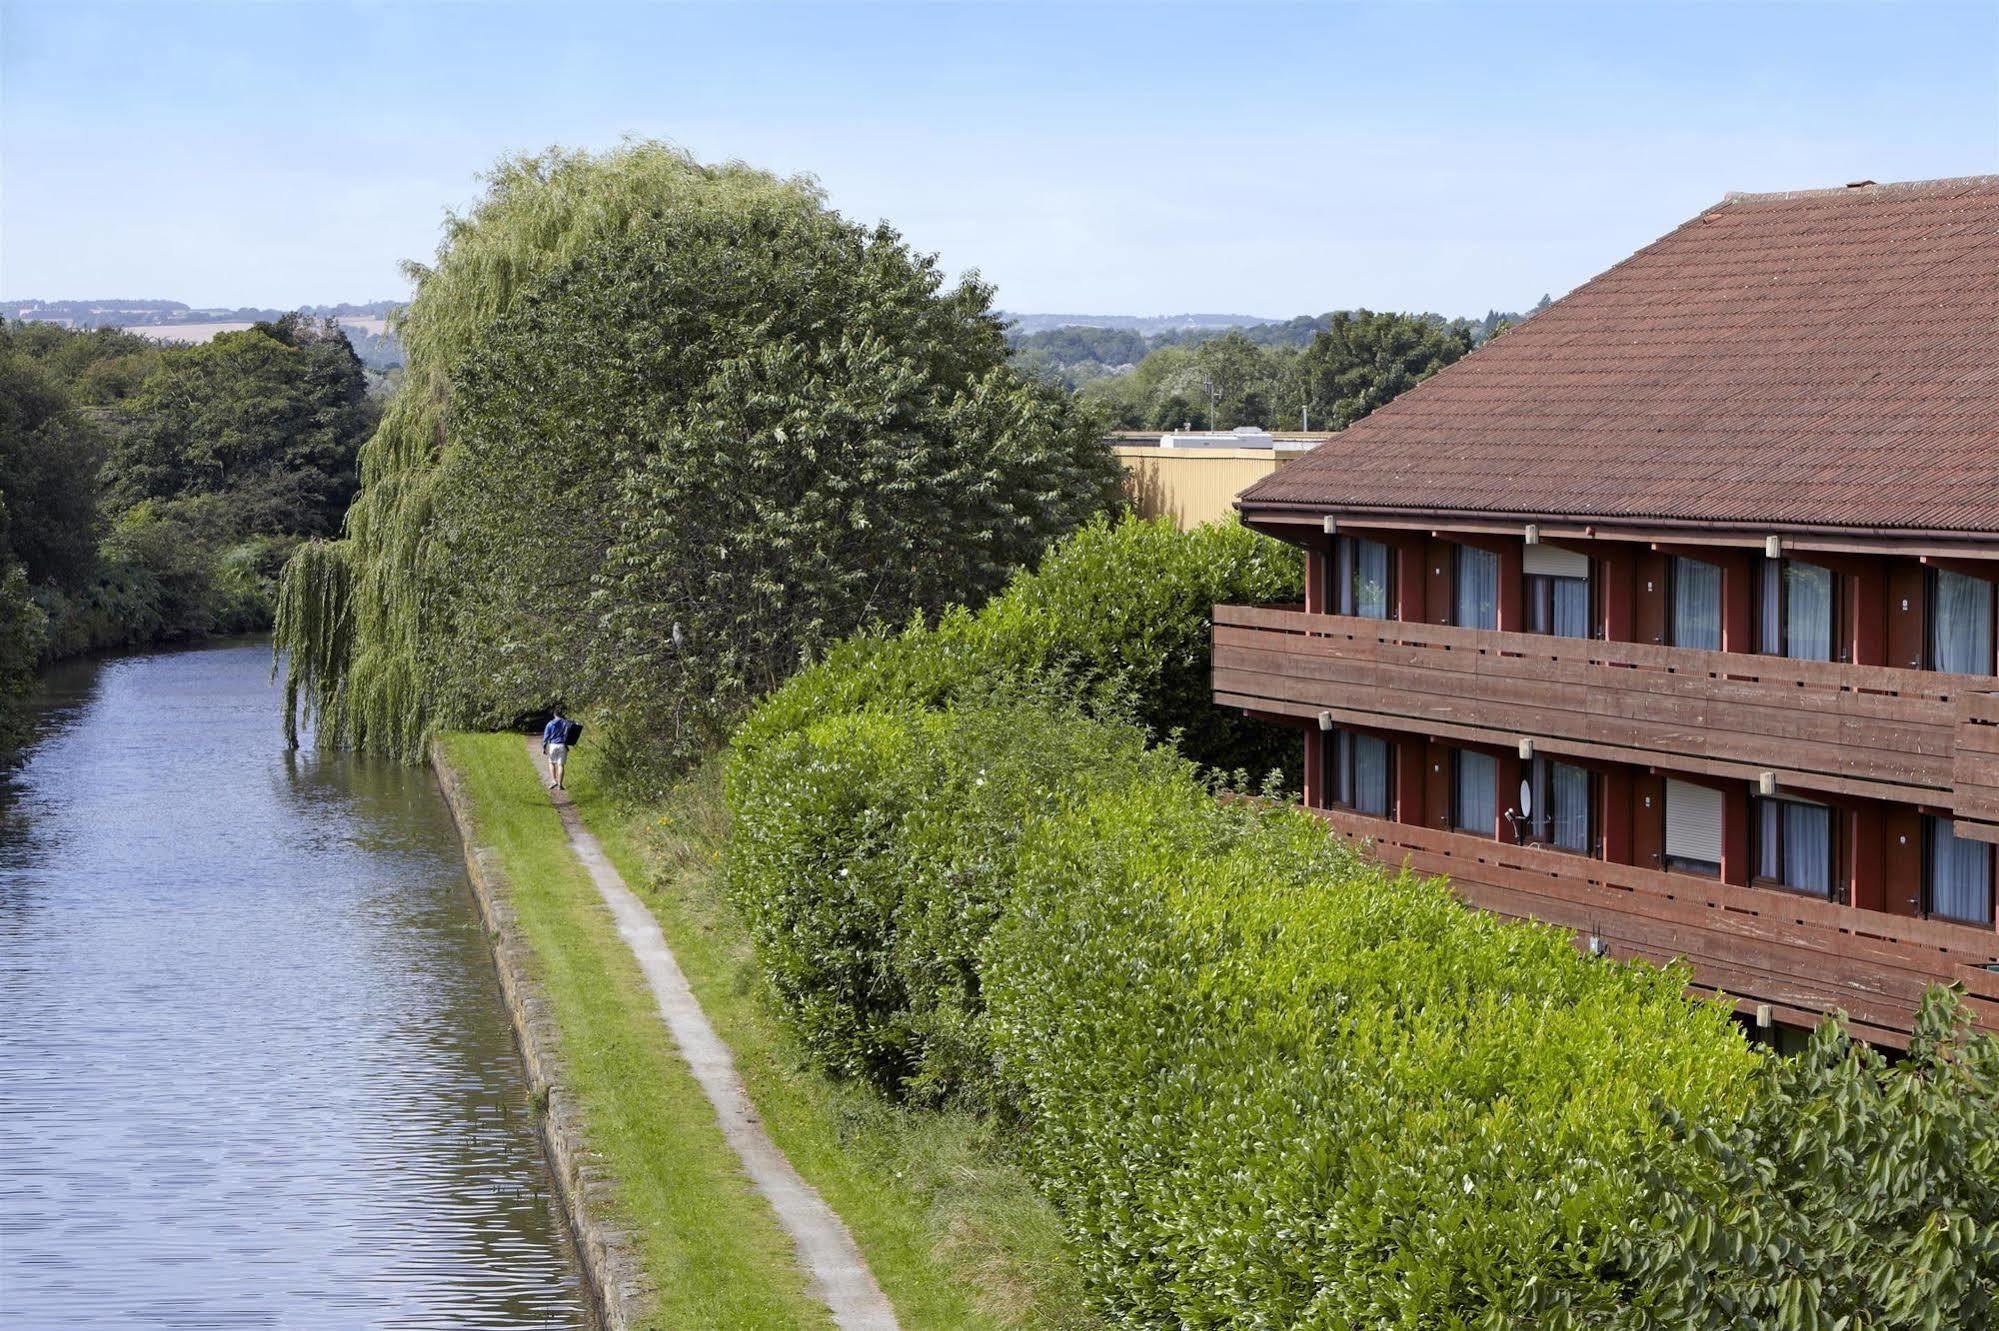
557	738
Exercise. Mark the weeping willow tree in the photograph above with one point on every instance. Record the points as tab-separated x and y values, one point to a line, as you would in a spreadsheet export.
668	430
364	655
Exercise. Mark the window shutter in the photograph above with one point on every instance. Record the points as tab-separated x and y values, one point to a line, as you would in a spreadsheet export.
1546	559
1693	822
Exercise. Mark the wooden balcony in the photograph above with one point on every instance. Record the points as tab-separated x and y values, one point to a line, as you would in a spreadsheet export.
1909	736
1802	957
1975	766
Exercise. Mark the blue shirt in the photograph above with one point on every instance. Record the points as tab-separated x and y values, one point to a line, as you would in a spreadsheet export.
552	732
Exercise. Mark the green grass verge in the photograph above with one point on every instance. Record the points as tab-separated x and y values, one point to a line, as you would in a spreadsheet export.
955	1234
711	1245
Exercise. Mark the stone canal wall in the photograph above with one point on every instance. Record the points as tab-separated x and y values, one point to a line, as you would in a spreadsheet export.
611	1267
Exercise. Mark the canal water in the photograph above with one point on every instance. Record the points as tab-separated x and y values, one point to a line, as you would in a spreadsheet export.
254	1066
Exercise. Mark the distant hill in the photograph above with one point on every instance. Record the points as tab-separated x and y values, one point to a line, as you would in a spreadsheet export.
143	313
366	325
1144	324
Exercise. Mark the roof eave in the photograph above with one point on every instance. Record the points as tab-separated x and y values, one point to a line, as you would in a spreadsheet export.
1628	524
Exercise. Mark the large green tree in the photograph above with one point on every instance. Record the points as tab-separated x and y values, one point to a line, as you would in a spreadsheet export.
668	431
49	455
1365	360
99	367
252	434
150	493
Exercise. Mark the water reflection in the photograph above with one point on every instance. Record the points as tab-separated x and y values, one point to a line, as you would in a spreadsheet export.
254	1071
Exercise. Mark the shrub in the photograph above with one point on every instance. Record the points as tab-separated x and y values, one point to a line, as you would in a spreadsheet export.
1271	1086
1266	1083
1857	1192
1119	616
22	629
871	854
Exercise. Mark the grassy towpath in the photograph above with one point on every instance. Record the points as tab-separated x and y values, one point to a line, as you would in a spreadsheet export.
711	1246
832	1260
954	1233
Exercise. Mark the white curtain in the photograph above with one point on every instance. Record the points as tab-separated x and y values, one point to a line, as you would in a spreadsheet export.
1808	848
1568	805
1478	784
1808	611
1363	578
1960	875
1769	839
1961	625
1794	845
1570	597
1370	775
1478	589
1696	604
1770	609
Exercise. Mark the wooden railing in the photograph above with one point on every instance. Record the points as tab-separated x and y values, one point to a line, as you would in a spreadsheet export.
1869	731
1975	766
1802	957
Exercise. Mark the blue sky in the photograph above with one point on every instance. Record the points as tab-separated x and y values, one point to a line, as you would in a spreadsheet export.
1101	157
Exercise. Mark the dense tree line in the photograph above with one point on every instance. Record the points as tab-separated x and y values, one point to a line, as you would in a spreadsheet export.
1358	361
1078	354
667	432
151	493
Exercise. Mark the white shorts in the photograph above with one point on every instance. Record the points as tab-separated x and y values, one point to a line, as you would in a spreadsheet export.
557	752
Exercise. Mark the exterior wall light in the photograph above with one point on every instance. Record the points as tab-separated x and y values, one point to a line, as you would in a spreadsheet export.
1526	749
1325	720
1331	524
1773	547
1766	784
1533	533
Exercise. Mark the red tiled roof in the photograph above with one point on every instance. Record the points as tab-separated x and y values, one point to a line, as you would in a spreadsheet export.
1825	358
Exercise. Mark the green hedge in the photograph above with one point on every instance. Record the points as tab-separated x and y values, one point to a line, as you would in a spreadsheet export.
1117	616
873	850
1269	1084
1266	1083
1273	1086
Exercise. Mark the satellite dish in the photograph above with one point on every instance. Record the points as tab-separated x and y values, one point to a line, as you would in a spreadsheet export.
1526	800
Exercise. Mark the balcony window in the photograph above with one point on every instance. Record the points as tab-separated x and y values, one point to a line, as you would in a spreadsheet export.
1562	803
1359	776
1696	604
1957	875
1794	845
1365	585
1557	592
1693	828
1795	611
1475	593
1474	791
1960	623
